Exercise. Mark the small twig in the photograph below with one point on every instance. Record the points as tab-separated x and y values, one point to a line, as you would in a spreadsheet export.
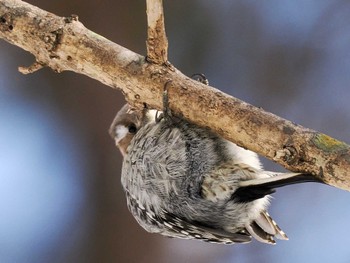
157	42
31	69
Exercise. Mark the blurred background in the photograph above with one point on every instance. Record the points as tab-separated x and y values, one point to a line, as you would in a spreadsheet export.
60	193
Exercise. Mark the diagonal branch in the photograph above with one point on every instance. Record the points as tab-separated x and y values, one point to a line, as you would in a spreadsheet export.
65	44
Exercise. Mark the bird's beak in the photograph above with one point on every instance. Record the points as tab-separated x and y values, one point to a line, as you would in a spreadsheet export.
121	148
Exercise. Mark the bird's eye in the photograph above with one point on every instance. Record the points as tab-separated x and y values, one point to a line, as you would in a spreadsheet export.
132	128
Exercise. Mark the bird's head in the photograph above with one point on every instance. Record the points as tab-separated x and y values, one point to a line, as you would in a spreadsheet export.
127	123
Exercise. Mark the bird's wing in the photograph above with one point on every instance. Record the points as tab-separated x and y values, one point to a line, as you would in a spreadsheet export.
221	183
169	224
182	228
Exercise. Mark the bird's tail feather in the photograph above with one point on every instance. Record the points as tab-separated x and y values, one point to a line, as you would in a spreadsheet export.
257	188
265	229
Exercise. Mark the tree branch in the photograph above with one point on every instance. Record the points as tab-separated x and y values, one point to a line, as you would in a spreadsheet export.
65	44
157	42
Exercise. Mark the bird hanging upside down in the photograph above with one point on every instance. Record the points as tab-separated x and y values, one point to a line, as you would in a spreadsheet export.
184	181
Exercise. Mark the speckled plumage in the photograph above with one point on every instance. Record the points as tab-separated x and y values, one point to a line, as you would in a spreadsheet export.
180	180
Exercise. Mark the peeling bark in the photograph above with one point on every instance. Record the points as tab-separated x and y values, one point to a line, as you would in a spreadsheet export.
157	42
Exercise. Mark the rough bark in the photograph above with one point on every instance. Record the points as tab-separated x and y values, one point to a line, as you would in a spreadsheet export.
157	42
63	43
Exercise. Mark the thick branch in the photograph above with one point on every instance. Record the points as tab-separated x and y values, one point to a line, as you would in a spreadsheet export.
65	44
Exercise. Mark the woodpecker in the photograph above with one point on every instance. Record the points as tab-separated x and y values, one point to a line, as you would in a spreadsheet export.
184	181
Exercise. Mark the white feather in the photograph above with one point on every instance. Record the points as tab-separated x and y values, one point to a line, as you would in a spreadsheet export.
120	132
